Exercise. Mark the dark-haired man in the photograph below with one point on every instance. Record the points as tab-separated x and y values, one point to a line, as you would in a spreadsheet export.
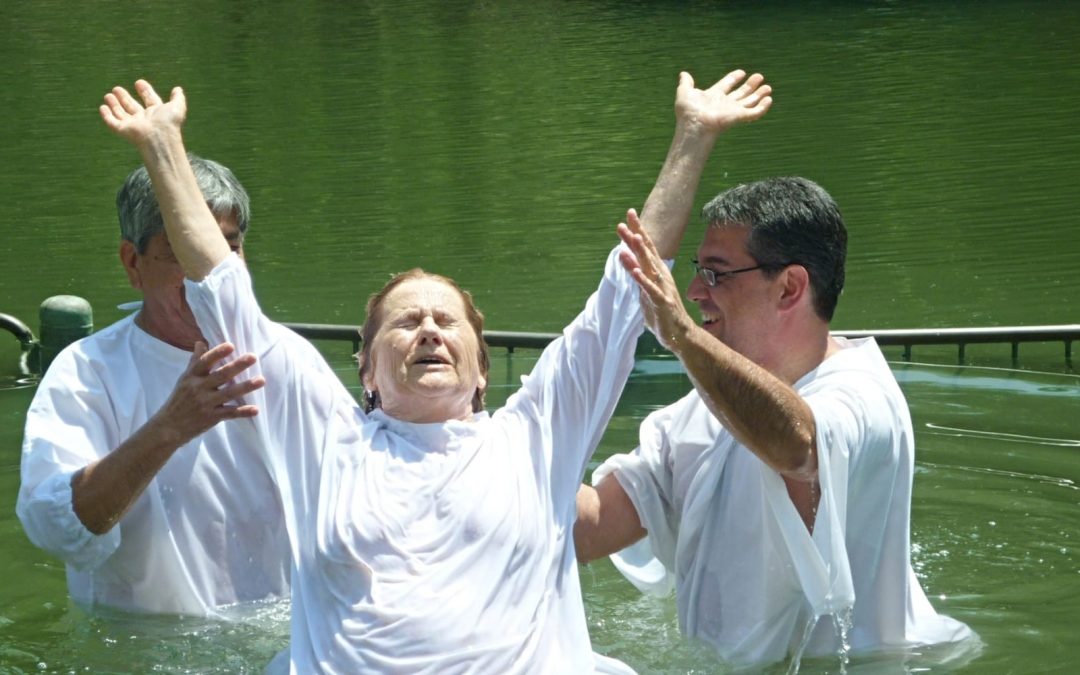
779	490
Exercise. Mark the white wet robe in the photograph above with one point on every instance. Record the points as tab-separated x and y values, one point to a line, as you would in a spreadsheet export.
723	532
208	530
433	548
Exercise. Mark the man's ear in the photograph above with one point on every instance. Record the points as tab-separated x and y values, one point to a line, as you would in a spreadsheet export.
794	286
128	258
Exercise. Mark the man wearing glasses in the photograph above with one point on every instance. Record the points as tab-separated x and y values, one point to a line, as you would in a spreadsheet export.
778	491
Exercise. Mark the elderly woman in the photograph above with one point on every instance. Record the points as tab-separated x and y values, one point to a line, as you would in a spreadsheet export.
427	535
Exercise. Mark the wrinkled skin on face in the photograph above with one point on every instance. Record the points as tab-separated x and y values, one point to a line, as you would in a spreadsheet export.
425	355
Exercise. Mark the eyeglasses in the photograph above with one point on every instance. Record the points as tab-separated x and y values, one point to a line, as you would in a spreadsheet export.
713	277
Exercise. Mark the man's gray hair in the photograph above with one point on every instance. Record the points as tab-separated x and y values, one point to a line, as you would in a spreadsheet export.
140	215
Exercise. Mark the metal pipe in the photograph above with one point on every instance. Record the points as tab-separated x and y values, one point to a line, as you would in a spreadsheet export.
30	357
17	328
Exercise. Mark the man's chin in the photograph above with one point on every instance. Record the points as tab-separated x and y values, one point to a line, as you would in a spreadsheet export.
715	329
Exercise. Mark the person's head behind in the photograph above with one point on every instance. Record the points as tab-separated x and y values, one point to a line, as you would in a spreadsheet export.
423	356
140	215
147	256
789	220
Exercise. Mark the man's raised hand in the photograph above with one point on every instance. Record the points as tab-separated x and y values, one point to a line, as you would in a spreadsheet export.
733	99
661	302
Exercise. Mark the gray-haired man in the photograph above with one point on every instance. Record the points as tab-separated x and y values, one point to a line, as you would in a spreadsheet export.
126	474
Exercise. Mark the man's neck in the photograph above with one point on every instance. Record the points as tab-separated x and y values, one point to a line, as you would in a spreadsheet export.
158	331
802	355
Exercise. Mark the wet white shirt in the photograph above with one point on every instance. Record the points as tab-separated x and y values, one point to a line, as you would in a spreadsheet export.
208	531
433	548
724	533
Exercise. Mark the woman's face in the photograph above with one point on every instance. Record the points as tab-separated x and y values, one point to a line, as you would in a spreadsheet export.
425	356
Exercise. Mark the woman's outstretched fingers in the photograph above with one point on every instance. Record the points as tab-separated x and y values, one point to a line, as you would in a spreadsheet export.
146	93
728	82
749	86
126	101
115	107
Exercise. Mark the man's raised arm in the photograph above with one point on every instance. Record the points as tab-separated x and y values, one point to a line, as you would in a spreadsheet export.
701	115
607	521
153	127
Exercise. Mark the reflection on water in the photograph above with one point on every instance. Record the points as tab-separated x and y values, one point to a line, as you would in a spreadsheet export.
1003	380
1016	438
20	382
114	642
989	510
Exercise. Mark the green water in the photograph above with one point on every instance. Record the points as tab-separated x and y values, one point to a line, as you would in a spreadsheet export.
499	143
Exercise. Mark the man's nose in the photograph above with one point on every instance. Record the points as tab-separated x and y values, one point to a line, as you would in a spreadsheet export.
696	292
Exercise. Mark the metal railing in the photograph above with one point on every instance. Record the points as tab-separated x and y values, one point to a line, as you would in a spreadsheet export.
505	339
906	338
961	337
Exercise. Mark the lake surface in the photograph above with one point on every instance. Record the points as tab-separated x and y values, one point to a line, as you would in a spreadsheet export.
499	143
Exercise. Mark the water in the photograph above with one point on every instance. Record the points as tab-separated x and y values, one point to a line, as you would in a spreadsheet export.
499	143
795	661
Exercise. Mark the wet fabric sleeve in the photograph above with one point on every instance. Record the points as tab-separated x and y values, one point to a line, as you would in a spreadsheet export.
578	379
225	307
69	425
647	476
303	408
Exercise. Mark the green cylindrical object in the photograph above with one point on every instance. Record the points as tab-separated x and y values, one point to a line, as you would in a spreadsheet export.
64	319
